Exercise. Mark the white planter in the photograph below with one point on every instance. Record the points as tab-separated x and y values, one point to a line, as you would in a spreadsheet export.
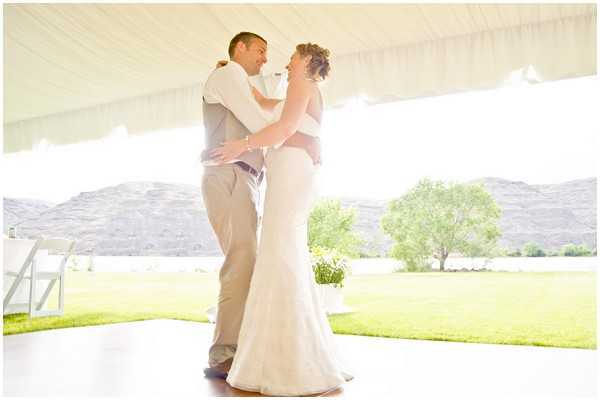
332	299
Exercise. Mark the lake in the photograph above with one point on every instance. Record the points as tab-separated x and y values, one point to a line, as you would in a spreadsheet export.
359	266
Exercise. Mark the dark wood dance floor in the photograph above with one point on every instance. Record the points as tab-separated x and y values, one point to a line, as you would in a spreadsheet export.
166	357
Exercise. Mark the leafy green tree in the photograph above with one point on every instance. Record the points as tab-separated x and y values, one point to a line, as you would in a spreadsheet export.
330	227
533	250
574	250
434	219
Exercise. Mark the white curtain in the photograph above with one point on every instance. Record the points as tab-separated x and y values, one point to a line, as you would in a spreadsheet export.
557	49
170	109
564	48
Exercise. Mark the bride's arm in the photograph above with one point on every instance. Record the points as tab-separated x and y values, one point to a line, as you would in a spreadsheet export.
265	102
296	102
297	98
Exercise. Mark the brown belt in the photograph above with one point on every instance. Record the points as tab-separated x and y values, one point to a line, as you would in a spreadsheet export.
247	168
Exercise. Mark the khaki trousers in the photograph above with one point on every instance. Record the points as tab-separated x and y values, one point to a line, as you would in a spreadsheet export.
231	197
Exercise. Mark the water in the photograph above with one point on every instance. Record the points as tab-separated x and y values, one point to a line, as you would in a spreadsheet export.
359	266
512	264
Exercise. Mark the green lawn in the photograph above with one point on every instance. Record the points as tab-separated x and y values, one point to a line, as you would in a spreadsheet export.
544	309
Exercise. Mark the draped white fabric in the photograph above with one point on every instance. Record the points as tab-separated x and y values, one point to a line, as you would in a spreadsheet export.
173	108
75	72
558	49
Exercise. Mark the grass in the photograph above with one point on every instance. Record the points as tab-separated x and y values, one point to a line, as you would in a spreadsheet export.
542	308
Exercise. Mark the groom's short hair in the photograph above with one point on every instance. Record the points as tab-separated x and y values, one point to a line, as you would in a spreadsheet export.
244	37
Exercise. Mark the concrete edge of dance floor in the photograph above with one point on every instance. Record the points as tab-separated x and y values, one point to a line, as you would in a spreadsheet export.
166	358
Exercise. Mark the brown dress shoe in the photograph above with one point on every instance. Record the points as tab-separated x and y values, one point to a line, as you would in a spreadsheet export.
218	370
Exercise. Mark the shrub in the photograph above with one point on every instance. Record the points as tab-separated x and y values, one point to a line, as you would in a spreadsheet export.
533	250
573	250
417	266
329	266
515	253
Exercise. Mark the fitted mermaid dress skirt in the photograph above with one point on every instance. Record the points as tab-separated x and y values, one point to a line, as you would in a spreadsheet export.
286	346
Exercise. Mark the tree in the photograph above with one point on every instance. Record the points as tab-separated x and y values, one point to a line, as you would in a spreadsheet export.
533	250
434	219
330	227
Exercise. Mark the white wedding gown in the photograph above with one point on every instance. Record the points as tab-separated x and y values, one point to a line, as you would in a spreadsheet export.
286	346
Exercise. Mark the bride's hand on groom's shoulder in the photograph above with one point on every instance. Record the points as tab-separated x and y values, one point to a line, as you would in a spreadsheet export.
221	63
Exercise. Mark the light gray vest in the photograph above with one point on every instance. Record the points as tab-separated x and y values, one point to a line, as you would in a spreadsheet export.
219	125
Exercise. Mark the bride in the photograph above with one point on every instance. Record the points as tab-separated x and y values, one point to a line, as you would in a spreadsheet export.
286	346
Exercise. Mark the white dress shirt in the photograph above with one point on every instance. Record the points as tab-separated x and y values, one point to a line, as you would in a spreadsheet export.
230	86
273	85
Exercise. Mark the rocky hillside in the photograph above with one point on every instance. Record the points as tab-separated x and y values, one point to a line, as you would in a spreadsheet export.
368	217
159	219
131	219
549	215
17	210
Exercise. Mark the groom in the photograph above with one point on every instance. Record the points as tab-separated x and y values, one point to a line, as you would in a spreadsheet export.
231	191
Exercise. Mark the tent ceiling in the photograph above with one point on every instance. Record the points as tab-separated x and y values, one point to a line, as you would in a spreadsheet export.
61	57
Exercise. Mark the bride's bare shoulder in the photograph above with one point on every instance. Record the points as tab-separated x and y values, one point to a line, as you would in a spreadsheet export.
300	83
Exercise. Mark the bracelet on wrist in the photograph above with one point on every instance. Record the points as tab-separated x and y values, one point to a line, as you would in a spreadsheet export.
247	140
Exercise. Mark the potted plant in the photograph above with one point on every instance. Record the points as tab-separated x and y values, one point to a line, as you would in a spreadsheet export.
330	269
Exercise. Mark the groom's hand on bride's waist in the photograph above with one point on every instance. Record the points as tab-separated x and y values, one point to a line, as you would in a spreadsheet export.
310	144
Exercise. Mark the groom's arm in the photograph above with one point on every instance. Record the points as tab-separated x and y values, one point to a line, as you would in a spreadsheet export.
229	86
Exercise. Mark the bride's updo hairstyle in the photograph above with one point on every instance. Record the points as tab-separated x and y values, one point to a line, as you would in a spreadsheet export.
319	62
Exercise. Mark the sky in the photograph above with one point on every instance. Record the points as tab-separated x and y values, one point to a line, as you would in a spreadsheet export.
543	133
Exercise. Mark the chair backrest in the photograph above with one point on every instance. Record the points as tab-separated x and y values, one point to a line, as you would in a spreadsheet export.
17	257
58	250
57	246
18	253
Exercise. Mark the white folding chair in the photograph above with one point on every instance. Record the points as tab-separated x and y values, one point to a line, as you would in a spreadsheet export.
62	247
17	259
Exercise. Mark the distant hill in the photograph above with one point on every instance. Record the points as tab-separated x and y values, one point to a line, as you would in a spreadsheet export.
160	219
131	219
367	224
549	215
16	210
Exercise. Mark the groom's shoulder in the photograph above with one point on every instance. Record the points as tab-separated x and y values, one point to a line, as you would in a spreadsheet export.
227	71
218	73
